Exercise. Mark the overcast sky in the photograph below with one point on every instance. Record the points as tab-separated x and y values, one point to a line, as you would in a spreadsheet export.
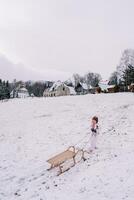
55	38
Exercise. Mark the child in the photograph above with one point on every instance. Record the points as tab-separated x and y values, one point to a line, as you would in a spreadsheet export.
95	132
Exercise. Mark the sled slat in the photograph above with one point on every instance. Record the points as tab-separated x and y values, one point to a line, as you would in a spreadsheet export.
61	158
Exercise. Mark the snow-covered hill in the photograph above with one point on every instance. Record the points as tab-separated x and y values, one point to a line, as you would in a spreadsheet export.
33	130
126	59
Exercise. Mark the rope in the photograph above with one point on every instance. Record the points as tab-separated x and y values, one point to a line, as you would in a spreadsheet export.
81	140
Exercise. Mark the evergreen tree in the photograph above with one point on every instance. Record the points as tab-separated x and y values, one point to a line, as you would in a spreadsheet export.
7	84
128	75
4	90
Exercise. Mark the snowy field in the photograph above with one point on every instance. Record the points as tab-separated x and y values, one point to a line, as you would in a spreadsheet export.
33	130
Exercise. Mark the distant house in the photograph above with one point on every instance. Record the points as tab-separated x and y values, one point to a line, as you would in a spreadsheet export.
19	92
92	90
107	88
82	88
112	89
131	87
58	89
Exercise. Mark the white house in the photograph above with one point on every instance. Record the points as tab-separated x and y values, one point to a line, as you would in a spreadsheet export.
20	92
106	88
23	93
59	89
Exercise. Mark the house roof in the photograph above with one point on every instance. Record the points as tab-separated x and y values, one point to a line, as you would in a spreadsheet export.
84	85
72	90
104	86
111	86
56	85
23	89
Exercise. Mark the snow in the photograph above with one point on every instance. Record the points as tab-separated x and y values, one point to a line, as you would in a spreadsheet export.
34	129
72	90
111	86
23	89
55	85
84	85
105	86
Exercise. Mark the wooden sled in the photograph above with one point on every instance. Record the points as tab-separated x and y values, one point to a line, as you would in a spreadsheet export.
70	153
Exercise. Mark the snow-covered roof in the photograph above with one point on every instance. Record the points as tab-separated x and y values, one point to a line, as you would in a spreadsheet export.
23	89
104	86
84	85
111	86
90	87
72	90
55	85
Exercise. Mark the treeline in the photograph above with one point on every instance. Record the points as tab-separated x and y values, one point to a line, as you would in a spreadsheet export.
90	79
128	75
125	81
37	88
34	88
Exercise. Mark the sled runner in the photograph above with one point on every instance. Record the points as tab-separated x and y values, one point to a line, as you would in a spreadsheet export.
60	159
